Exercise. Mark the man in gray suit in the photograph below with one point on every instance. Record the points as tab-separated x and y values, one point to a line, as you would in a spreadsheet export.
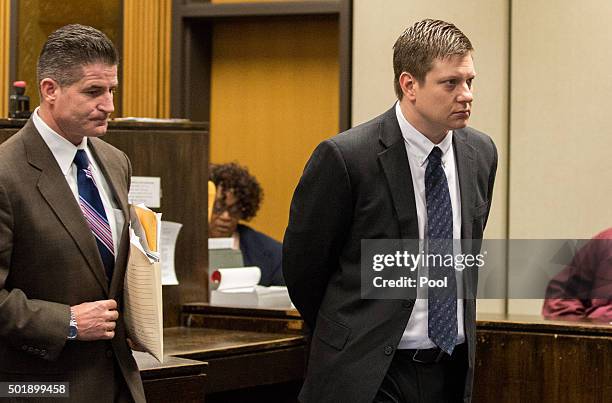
64	230
415	172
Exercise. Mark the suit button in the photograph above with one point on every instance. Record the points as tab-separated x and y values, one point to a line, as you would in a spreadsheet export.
36	351
30	349
109	353
43	352
388	350
408	304
24	347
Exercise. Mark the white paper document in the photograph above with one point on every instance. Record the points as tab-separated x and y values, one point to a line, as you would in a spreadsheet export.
238	287
145	190
169	234
236	278
220	243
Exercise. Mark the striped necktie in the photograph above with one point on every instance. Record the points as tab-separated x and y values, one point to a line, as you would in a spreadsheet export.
93	210
442	301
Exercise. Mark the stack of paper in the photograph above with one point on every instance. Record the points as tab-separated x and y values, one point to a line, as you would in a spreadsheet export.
142	291
238	287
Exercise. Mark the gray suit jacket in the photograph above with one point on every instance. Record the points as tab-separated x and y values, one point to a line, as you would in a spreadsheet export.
357	186
49	261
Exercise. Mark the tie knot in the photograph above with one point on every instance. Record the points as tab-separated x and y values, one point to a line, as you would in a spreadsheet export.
81	160
435	156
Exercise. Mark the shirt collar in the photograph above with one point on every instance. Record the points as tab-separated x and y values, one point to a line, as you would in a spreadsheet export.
419	145
63	150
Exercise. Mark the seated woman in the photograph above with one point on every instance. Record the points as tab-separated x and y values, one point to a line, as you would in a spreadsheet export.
238	197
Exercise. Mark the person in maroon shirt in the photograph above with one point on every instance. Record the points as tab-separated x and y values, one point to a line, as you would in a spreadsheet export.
583	289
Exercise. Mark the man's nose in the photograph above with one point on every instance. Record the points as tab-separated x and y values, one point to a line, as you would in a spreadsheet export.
466	95
106	105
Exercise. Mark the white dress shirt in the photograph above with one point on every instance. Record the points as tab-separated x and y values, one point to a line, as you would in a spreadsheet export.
418	148
64	152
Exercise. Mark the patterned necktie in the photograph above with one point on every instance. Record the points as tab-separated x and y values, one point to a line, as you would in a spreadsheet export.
442	324
93	210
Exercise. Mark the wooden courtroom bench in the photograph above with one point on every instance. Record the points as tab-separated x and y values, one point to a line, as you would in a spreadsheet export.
174	380
252	354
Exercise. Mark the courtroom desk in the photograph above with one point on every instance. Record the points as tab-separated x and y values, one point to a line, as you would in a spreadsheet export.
530	359
283	320
174	380
243	366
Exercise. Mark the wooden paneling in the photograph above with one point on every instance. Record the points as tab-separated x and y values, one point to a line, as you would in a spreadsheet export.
233	318
248	1
5	26
527	359
274	97
553	369
174	380
146	58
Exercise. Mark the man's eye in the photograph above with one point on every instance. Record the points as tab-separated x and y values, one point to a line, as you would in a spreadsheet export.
469	83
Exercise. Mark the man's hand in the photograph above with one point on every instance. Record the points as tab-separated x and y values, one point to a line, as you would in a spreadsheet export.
96	320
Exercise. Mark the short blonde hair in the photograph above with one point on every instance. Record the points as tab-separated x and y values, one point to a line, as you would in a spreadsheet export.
421	44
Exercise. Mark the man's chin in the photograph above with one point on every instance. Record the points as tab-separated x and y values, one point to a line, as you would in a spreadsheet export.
460	124
98	131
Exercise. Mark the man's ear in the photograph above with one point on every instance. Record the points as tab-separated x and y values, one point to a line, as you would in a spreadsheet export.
409	85
48	90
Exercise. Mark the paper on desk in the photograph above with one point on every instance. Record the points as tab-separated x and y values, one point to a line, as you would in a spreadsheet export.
142	287
220	243
169	235
239	278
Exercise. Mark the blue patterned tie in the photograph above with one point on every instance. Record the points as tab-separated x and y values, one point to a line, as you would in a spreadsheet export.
442	324
93	210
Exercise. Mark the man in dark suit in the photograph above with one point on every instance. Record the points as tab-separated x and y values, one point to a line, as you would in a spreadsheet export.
414	172
64	230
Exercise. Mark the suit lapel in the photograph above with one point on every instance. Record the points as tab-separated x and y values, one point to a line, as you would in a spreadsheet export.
56	192
466	170
113	174
394	162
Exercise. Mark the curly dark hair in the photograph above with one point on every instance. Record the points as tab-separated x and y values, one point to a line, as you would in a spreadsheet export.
243	185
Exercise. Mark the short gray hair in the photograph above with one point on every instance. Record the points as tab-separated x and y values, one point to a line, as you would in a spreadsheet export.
71	47
418	46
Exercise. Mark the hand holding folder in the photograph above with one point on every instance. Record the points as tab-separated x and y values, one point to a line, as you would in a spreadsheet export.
142	288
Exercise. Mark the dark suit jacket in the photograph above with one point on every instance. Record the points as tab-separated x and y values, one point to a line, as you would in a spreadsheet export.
260	250
357	186
49	261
